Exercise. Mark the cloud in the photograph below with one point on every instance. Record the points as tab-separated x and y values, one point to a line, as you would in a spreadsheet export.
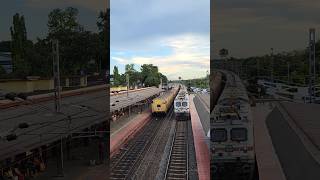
120	60
135	23
189	57
174	35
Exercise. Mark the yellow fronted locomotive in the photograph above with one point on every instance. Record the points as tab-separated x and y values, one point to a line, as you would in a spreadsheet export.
162	104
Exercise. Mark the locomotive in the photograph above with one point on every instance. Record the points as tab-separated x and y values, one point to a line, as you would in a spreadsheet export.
181	105
161	105
231	133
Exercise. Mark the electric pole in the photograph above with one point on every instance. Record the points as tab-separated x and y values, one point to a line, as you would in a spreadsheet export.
128	85
272	66
56	75
312	63
57	101
258	67
288	67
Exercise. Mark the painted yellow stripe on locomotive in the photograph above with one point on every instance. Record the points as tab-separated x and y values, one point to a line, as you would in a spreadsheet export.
162	103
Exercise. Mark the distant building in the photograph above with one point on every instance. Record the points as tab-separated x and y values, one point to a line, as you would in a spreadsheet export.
6	61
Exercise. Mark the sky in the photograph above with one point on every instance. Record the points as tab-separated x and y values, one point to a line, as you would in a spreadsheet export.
252	27
171	34
36	14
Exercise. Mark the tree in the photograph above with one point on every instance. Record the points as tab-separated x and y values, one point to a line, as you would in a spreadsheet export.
104	34
39	56
151	81
62	21
133	75
2	71
18	46
164	78
150	75
223	53
80	50
5	46
116	76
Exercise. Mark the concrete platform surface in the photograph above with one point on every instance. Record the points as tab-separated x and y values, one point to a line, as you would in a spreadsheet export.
201	147
304	119
268	163
297	163
201	103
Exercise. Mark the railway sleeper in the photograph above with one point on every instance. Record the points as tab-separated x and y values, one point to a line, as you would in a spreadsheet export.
179	153
179	158
118	176
177	175
178	168
179	144
178	164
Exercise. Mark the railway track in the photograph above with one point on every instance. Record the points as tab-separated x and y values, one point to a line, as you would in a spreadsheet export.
178	164
123	165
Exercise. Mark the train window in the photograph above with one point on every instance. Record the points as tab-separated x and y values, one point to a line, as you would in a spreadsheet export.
178	104
184	104
218	135
239	134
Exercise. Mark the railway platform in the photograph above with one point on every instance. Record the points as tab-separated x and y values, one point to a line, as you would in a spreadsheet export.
294	130
202	103
4	104
124	101
31	129
287	140
267	160
120	135
130	111
200	143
